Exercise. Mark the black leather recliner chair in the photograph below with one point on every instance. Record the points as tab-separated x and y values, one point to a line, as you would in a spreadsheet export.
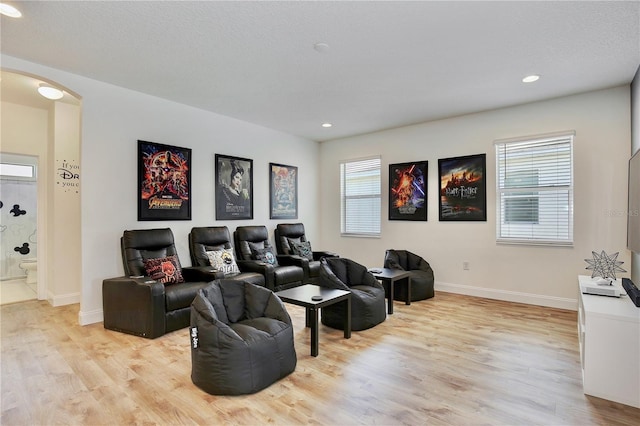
287	233
136	303
421	274
367	294
211	238
242	338
254	252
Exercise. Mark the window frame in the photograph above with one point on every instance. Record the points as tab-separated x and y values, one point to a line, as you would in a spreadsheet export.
554	190
375	230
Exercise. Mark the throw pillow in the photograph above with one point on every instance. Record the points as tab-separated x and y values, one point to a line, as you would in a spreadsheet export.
288	247
302	249
223	261
167	270
265	255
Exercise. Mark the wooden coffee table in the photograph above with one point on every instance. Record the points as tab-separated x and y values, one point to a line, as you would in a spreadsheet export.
389	277
302	296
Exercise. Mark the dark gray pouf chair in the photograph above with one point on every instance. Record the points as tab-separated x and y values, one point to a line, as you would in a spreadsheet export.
421	274
241	338
367	294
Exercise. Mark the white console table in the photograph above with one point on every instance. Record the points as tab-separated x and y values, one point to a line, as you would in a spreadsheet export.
609	334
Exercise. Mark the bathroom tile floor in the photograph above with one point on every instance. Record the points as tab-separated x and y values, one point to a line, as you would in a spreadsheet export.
16	290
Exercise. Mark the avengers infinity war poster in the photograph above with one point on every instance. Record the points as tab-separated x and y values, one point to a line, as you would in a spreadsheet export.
164	179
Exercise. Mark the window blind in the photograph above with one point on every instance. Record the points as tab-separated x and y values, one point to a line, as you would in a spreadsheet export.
360	197
535	190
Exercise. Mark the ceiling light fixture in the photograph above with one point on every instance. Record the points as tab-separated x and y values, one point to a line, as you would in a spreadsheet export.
10	11
50	92
321	47
327	125
530	78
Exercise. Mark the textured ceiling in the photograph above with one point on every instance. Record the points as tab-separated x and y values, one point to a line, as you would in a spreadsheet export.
389	64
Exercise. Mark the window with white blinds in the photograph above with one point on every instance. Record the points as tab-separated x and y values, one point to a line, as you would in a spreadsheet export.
360	197
535	190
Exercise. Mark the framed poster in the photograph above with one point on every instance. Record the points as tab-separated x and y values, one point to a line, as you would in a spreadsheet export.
164	182
463	195
234	188
283	191
408	191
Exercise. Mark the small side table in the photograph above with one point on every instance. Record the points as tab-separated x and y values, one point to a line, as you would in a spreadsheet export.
302	295
389	277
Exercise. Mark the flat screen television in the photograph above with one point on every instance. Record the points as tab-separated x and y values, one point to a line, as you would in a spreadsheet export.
633	217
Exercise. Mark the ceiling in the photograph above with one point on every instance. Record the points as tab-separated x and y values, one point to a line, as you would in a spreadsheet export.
388	64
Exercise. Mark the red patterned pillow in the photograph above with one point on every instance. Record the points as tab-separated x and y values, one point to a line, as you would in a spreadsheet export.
167	270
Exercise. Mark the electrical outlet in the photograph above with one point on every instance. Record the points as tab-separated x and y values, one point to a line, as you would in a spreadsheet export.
465	265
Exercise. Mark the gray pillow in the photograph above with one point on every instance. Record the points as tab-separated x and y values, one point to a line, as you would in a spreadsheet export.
302	249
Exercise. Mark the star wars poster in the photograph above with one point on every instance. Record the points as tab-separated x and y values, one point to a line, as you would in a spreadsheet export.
164	182
408	191
463	195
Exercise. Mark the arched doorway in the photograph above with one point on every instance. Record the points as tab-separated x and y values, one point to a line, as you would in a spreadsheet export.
48	130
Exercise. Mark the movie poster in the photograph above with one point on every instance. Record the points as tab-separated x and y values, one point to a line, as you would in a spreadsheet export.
234	188
283	191
408	191
164	182
463	194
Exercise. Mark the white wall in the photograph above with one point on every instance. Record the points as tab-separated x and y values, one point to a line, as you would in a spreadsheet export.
113	119
64	283
540	275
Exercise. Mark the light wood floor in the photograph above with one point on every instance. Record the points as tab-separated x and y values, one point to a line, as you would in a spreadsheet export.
452	360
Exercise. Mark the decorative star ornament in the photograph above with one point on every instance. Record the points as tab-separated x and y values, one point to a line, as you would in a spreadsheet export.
604	265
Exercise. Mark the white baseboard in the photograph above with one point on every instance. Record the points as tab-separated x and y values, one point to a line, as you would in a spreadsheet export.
64	299
509	296
91	317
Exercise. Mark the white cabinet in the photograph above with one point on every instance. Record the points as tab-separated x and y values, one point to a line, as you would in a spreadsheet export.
609	334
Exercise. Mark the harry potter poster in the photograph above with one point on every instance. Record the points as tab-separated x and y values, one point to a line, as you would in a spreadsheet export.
463	195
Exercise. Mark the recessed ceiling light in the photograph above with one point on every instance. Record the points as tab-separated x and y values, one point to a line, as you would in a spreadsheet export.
10	11
530	78
50	92
321	47
327	124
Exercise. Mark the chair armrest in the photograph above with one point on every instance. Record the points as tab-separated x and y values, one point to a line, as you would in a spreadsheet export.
254	266
201	273
293	259
317	255
134	305
261	268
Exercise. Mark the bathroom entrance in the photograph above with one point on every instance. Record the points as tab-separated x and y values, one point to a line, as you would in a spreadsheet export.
18	227
45	127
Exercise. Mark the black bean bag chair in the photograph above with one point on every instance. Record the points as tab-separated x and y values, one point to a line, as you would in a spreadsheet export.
241	338
420	270
367	294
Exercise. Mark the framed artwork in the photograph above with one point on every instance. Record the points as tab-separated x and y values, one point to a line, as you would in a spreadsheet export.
164	182
234	188
463	194
408	191
283	191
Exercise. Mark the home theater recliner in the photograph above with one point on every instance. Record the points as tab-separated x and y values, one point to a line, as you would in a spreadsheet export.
144	305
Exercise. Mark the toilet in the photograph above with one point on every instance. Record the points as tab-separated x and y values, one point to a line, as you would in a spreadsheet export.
30	266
